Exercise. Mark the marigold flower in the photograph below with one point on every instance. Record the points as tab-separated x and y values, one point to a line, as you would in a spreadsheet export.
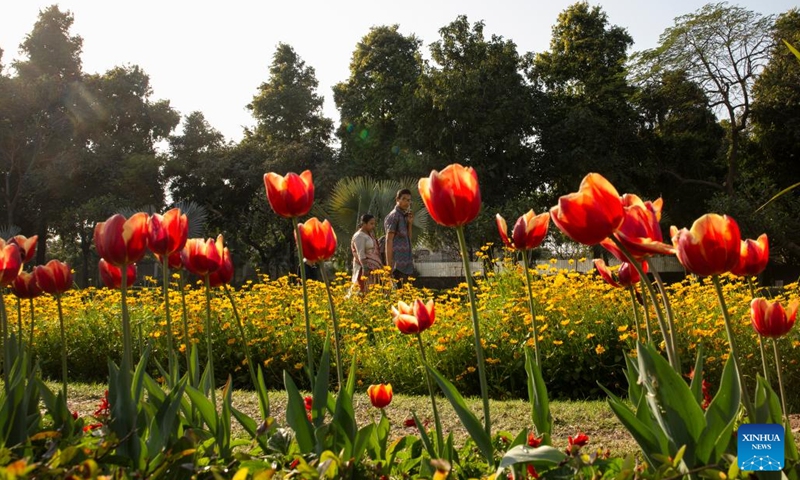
452	196
591	214
380	395
290	196
54	278
769	319
753	257
712	246
414	319
529	230
112	275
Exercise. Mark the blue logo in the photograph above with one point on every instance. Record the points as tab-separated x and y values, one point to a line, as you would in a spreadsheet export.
760	447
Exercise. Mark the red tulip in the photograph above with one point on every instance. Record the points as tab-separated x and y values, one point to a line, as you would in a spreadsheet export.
591	214
769	319
529	231
753	257
10	262
202	257
174	261
533	440
318	240
710	247
167	234
452	196
54	278
112	276
290	196
640	231
25	286
224	274
414	319
626	275
380	395
120	241
27	246
580	440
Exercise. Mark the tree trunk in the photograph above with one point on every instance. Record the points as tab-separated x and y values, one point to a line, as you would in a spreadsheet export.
733	162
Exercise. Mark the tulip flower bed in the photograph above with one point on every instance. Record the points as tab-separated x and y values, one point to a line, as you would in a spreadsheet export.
566	335
585	326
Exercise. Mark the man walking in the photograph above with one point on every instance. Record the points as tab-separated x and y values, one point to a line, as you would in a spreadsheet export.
397	226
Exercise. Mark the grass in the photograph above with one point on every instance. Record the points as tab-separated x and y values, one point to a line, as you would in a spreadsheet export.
512	416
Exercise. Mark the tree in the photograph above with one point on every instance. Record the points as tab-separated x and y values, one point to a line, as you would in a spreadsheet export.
776	104
377	105
722	48
585	121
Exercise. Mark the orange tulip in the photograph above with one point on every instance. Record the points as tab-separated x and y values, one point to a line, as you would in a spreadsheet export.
710	247
10	262
640	231
25	286
769	319
167	233
112	275
290	196
318	240
591	214
626	275
202	257
120	241
380	395
528	233
27	246
224	274
753	257
54	278
414	319
451	196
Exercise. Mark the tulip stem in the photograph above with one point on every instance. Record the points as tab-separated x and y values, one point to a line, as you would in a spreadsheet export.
336	338
760	338
32	316
209	343
462	242
63	347
530	306
170	352
19	323
187	341
127	343
4	328
437	422
651	291
305	300
635	314
670	316
646	310
246	345
748	406
778	365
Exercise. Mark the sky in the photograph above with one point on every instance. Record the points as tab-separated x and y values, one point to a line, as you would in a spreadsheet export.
212	56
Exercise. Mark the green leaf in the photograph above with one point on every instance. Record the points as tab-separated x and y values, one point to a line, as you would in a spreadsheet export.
263	395
632	374
768	406
650	441
363	438
720	417
671	401
423	435
296	416
203	405
697	379
542	457
320	393
166	419
468	419
537	396
344	418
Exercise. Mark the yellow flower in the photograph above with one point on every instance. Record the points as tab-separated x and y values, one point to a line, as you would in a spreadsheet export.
599	349
557	342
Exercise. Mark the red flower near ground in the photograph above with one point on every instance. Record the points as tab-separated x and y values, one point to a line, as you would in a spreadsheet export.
380	395
533	440
409	422
318	240
769	319
290	196
414	319
452	196
532	473
10	262
27	246
753	257
54	278
712	246
309	402
120	241
104	409
168	233
591	214
112	276
25	286
528	233
575	444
